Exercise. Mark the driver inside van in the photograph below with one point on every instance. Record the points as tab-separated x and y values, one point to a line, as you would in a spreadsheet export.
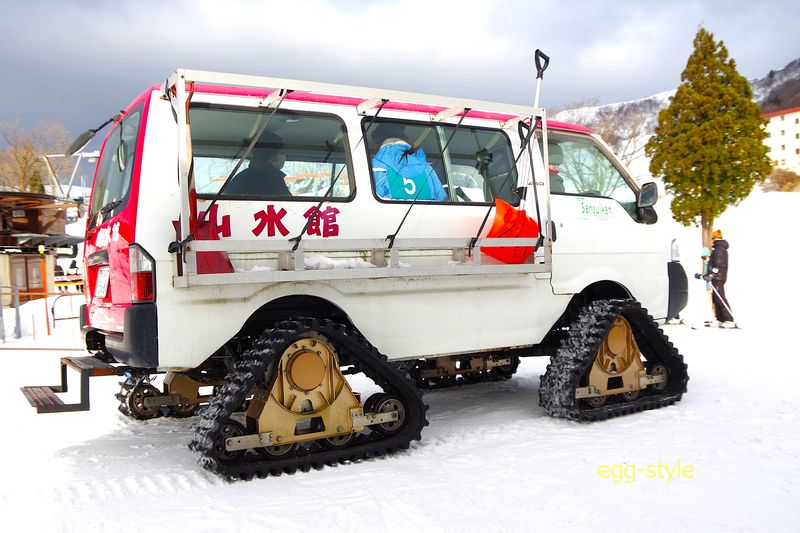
555	157
399	172
263	177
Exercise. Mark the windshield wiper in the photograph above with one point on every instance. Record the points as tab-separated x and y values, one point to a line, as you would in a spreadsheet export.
103	211
109	206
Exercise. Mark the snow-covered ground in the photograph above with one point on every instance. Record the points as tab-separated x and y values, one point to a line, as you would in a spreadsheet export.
490	459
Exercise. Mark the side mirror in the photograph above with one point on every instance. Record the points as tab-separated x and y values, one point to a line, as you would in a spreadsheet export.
647	215
648	195
84	138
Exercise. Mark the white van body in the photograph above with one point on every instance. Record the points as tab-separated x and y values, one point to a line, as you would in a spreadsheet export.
426	307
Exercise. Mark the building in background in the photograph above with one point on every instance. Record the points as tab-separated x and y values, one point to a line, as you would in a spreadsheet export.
783	138
31	237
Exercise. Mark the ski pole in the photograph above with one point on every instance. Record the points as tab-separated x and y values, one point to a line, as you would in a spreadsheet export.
724	304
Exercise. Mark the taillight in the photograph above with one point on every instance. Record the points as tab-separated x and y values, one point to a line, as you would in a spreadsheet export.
143	272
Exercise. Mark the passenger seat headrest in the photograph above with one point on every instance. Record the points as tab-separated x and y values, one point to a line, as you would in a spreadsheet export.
555	156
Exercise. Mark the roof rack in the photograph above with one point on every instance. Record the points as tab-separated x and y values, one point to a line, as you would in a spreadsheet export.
369	97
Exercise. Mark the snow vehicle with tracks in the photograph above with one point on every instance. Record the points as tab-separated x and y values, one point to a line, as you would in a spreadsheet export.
259	305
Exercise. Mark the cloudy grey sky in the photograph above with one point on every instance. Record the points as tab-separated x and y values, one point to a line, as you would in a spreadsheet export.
77	62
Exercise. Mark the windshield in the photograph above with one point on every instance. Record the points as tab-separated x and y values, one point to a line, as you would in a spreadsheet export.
115	168
578	166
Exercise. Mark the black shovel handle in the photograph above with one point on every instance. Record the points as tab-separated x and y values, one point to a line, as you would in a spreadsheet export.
539	56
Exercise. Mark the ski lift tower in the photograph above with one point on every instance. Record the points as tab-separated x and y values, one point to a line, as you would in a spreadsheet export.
58	191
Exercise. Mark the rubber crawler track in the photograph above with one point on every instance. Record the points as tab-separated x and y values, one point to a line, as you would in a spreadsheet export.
354	349
126	388
577	352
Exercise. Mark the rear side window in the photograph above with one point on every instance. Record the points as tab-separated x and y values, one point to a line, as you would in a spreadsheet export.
298	156
113	179
440	163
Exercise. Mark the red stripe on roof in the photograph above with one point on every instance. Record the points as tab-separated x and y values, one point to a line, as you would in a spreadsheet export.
556	125
781	112
297	96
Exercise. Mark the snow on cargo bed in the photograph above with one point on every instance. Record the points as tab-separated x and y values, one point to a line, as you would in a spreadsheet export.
315	262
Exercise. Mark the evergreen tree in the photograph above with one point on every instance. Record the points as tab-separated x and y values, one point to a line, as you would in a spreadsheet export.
709	143
35	182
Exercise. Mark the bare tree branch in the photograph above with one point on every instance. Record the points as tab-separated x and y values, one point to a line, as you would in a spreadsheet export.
21	165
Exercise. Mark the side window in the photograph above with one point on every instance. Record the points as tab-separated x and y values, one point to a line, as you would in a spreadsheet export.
298	155
480	165
407	163
115	168
578	166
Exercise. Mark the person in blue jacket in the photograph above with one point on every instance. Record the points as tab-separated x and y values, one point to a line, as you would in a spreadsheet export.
401	173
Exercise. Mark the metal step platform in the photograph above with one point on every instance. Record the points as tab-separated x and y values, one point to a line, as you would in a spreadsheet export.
45	399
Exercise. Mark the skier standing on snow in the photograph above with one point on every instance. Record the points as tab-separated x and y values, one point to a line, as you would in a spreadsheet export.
718	275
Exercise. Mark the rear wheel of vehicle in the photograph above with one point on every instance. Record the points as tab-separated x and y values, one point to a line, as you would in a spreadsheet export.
136	401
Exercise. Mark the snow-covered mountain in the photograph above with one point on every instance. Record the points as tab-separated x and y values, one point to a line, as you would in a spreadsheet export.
777	90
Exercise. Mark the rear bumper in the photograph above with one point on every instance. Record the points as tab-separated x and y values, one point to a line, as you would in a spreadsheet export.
136	346
678	289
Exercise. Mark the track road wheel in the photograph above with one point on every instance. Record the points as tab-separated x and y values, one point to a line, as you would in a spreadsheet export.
631	396
596	401
337	442
183	410
659	369
385	403
135	401
230	428
277	451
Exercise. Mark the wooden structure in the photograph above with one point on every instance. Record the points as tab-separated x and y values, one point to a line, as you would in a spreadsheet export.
31	237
